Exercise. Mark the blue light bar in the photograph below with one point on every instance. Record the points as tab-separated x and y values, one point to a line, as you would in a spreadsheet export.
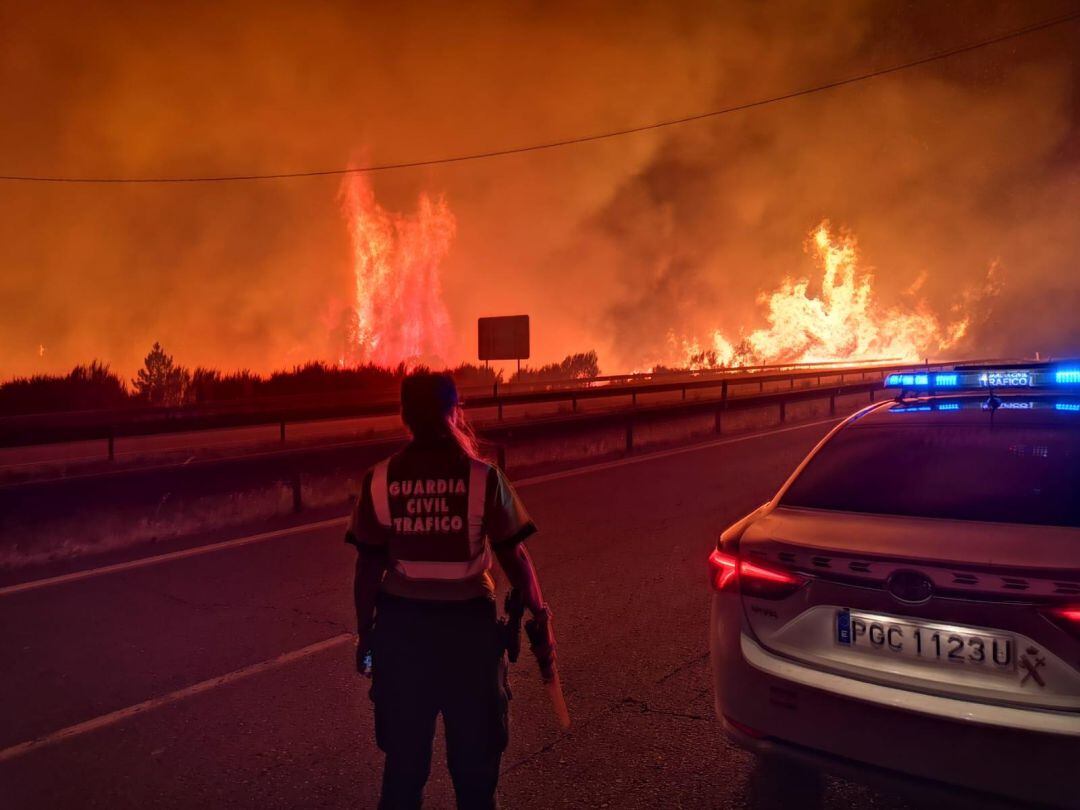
993	379
948	380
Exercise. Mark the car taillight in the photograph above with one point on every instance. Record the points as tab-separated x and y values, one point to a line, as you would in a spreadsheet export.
1067	618
729	572
722	568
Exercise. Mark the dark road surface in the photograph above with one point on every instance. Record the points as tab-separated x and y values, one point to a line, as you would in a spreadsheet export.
621	553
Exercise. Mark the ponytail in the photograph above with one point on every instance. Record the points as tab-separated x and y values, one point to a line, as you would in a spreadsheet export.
462	432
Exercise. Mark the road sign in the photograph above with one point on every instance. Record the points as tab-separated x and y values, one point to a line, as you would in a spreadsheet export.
503	338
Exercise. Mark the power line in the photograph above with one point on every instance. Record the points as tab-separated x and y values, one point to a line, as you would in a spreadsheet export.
517	150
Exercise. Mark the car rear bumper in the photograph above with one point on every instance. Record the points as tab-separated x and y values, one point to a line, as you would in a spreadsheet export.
797	710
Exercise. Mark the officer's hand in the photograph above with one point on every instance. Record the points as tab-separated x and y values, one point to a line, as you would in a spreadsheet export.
541	633
363	657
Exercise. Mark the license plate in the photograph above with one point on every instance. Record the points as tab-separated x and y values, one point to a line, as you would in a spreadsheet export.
926	641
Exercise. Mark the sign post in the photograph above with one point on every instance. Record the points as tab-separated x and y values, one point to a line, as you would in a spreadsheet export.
503	338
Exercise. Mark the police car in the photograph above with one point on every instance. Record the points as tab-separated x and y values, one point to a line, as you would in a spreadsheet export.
910	598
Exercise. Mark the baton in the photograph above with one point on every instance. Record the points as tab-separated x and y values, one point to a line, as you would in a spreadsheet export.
558	702
549	670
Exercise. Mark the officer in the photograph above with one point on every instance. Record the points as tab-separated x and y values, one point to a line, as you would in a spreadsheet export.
426	525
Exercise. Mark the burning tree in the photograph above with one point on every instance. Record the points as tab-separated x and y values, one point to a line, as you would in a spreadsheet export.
160	381
399	314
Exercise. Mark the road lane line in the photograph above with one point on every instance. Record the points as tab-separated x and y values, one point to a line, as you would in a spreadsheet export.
172	697
75	576
157	559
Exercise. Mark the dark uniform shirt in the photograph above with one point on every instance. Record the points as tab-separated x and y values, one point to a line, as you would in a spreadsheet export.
436	513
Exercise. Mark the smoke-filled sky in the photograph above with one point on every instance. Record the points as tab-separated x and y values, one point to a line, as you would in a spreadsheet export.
619	245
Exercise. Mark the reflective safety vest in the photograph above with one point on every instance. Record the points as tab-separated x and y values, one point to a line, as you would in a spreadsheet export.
438	522
436	513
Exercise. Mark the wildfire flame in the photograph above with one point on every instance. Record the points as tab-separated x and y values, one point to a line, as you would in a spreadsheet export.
398	314
846	322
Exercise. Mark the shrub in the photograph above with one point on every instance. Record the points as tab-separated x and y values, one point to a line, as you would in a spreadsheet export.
92	387
583	366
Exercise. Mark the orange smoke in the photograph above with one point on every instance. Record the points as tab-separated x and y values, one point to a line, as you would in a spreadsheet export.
844	322
398	314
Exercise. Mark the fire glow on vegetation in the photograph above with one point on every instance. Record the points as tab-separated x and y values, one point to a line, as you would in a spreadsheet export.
844	322
397	314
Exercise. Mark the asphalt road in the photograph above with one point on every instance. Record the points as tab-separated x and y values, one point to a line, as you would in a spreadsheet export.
164	686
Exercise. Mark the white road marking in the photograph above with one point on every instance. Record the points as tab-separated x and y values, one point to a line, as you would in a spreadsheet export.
157	559
119	715
142	562
172	697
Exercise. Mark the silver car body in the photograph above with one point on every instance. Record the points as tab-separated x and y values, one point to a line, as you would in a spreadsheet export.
829	666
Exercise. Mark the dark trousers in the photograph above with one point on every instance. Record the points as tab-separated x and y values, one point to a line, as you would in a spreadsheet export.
432	657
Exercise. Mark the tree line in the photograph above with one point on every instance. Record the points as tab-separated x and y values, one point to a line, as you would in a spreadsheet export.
163	382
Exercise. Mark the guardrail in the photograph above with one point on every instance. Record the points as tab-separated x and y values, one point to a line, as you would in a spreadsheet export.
98	425
292	465
136	504
634	417
671	375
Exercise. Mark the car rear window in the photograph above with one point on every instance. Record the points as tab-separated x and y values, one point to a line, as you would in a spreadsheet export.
1020	474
